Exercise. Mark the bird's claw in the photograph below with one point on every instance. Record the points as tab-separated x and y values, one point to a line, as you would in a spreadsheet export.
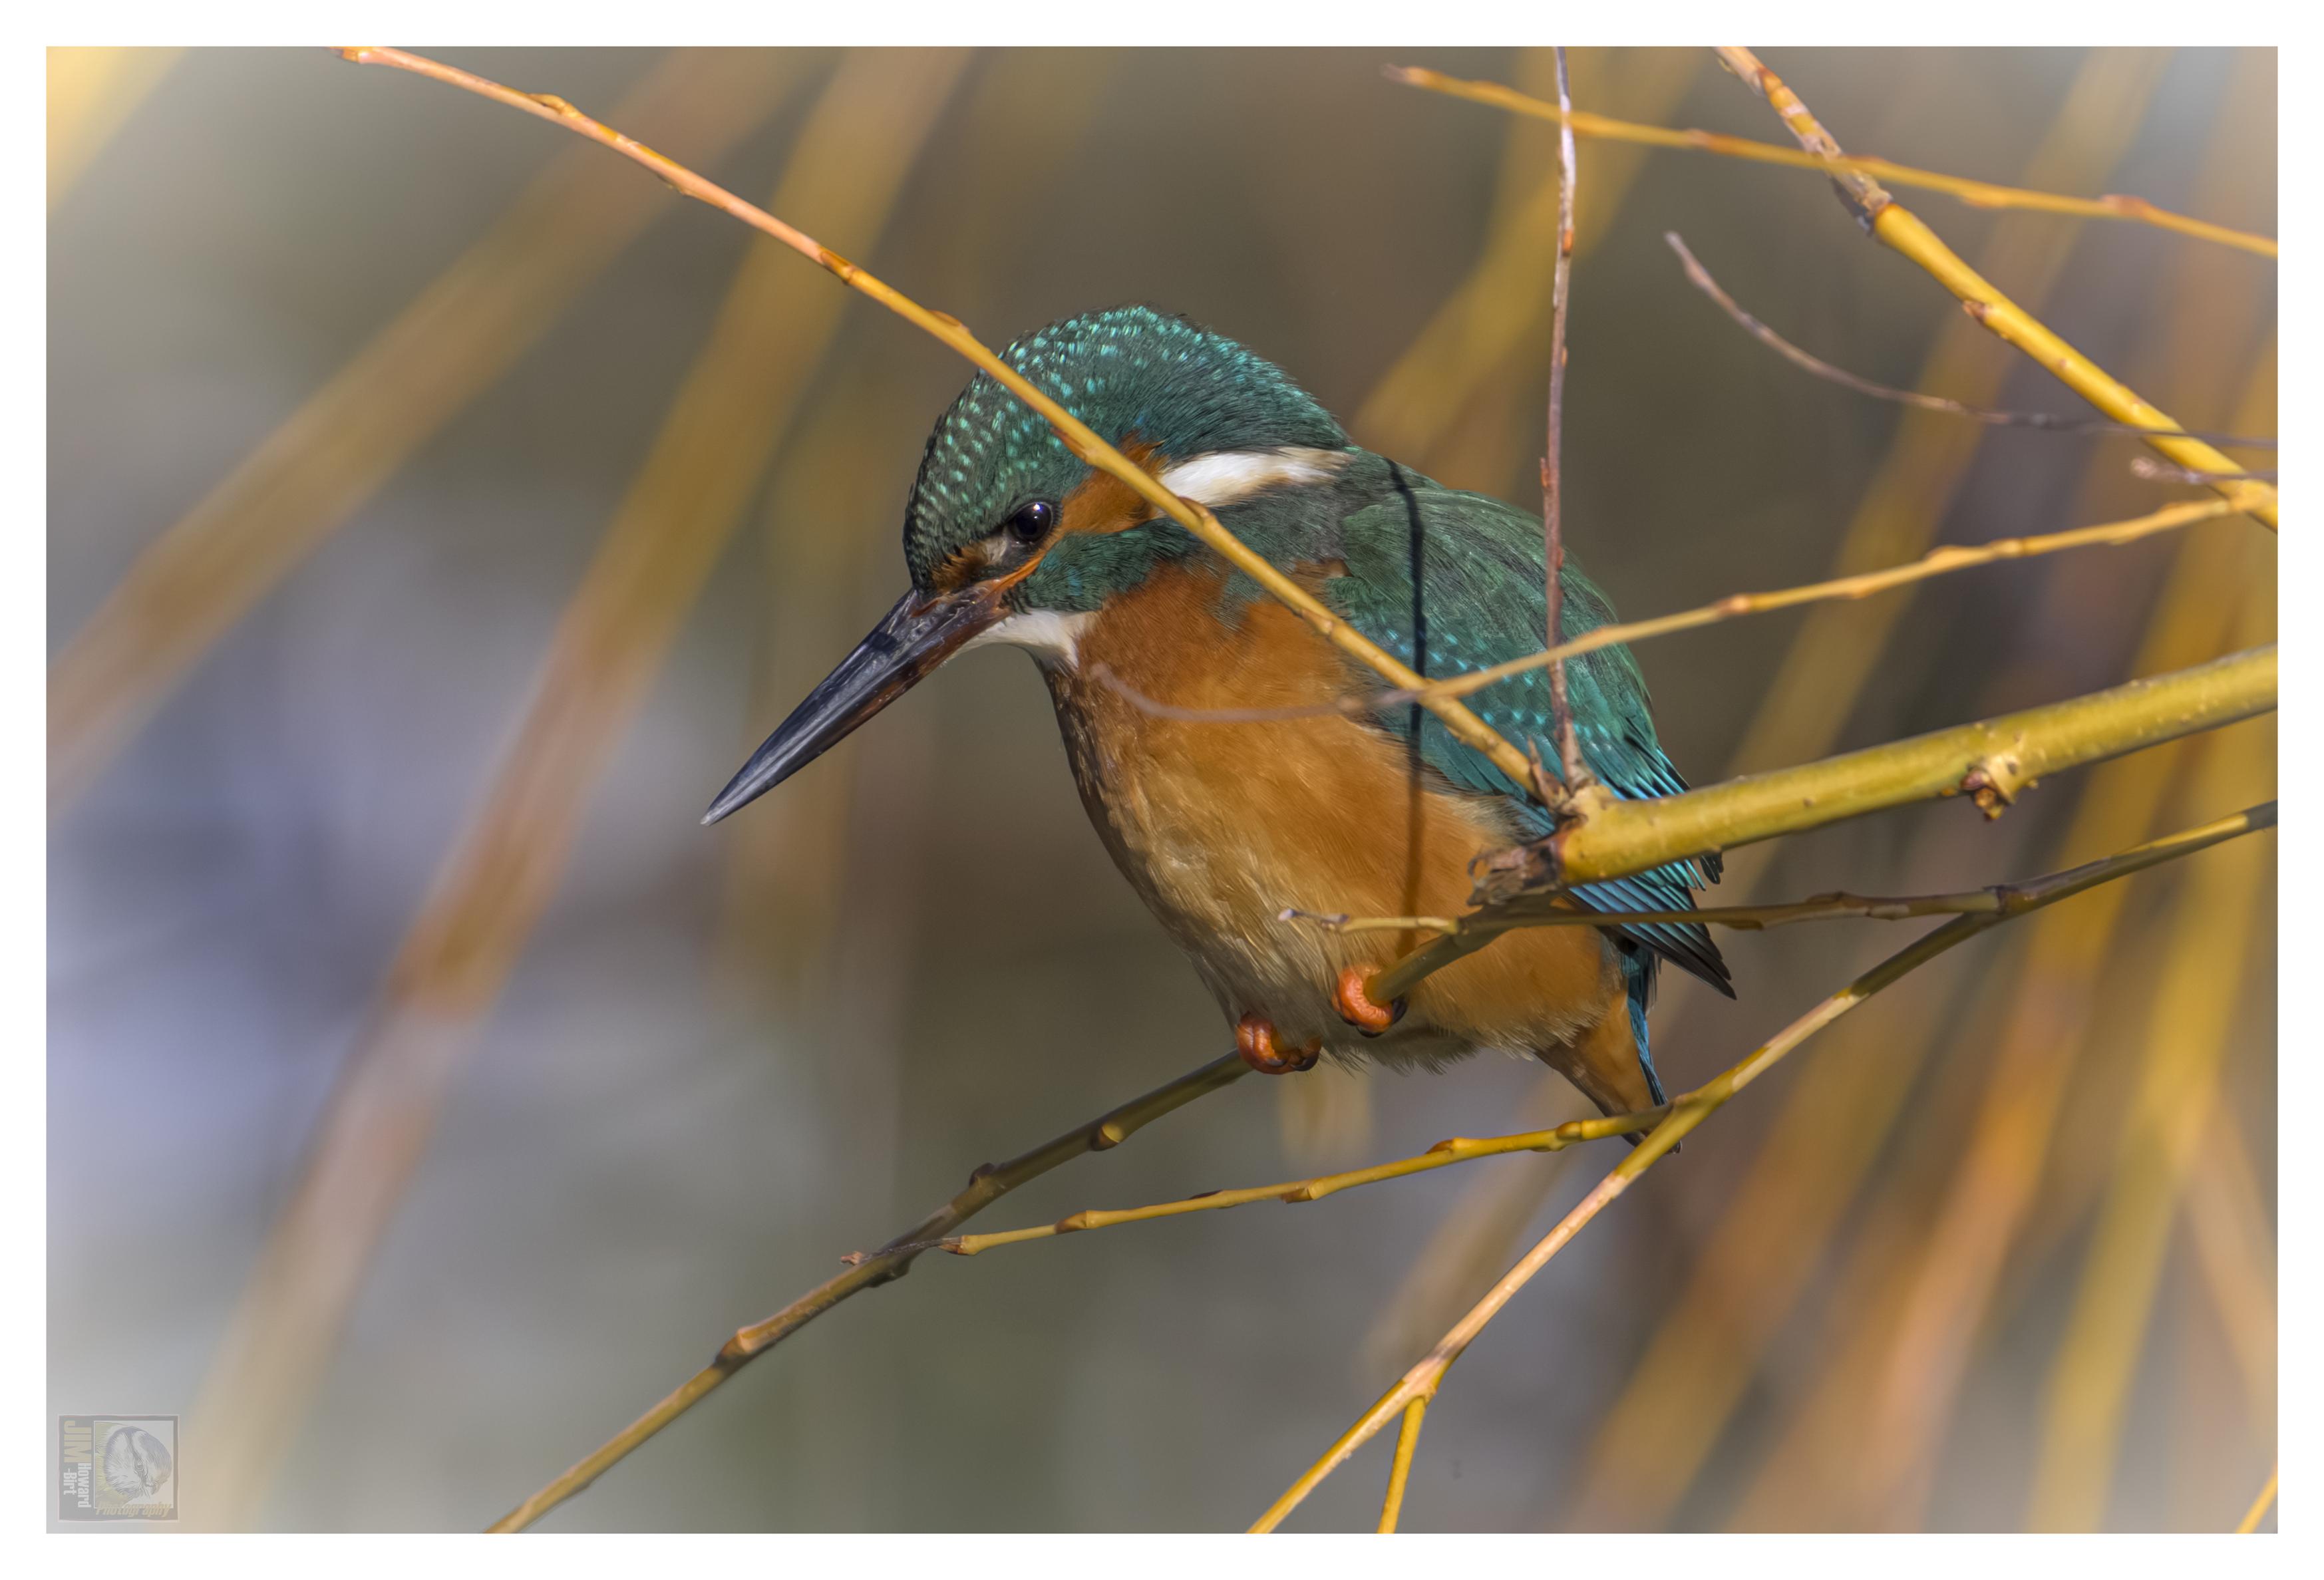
1357	1008
1255	1040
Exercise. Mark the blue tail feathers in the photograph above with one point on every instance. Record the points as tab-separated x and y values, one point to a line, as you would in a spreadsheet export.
1638	980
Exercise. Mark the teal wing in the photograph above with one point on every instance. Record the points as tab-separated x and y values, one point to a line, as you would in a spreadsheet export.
1452	583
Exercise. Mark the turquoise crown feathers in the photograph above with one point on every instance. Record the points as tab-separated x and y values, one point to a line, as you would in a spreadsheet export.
1132	373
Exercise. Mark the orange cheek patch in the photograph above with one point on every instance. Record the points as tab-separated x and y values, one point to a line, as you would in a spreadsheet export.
1100	503
1103	503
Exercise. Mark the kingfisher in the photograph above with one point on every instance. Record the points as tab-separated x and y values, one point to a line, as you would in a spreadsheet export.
1209	727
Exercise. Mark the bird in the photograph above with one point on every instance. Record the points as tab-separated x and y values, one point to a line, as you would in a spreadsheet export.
1208	725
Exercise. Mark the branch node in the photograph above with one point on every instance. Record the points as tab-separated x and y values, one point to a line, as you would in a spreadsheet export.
1994	783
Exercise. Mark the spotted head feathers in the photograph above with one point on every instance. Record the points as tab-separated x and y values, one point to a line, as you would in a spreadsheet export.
1133	374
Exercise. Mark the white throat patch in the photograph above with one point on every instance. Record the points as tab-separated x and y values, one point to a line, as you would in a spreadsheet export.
1051	638
1225	476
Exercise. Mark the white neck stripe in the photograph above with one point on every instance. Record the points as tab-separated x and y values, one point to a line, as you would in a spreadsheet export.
1226	476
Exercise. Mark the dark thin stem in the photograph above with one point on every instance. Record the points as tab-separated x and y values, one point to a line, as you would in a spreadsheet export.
1699	278
1571	768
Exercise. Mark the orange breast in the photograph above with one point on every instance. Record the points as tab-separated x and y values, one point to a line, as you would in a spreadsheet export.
1221	824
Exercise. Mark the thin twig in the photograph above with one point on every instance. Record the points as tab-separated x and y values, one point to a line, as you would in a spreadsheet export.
1937	562
1692	1110
1976	194
1902	231
1076	435
1399	1470
892	1261
1551	910
1418	405
1572	772
1444	1154
1997	904
1701	278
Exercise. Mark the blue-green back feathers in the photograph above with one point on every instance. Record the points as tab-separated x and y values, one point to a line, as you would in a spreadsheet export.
1477	566
1450	582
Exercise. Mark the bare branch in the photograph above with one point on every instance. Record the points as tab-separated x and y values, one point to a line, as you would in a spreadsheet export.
1444	1154
987	1185
1689	1111
1572	772
1991	761
1937	562
1076	435
1699	276
1399	1470
1899	229
1552	909
1976	194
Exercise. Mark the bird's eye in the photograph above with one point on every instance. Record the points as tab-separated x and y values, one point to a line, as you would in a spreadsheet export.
1031	523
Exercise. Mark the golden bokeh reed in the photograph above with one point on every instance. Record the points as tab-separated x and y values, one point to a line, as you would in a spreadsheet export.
458	337
757	366
1707	1347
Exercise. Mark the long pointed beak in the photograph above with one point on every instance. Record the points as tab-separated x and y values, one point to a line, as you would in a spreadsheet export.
919	635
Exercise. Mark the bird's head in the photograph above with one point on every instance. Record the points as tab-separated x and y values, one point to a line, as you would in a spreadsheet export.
1012	538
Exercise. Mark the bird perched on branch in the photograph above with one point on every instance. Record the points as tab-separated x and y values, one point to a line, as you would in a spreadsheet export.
1206	722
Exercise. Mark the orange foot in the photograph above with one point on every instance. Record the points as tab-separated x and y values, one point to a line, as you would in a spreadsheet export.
1355	1007
1255	1040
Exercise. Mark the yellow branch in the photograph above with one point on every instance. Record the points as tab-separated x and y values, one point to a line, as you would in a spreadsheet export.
1988	905
1937	562
1693	1108
1902	231
1444	1154
1991	761
1076	435
1976	194
1400	1470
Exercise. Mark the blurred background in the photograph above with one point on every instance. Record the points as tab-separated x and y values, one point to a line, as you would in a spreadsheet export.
440	509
